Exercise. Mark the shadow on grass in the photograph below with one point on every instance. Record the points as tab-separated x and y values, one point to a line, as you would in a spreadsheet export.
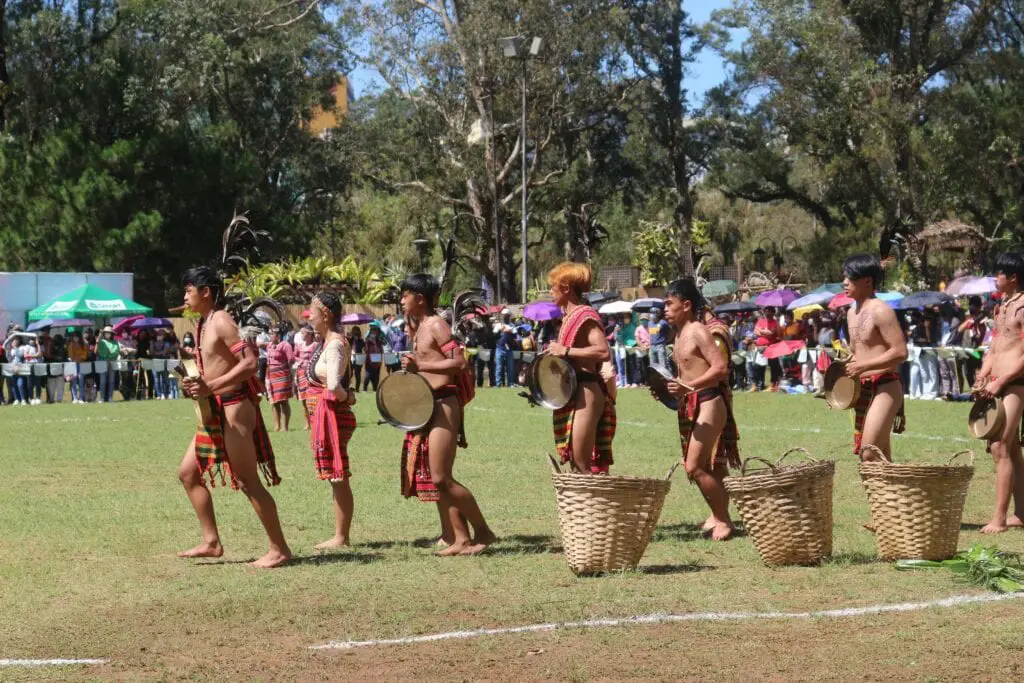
317	559
514	544
968	526
685	531
673	568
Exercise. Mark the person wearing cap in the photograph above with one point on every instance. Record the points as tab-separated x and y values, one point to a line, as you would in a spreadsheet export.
504	361
643	346
107	350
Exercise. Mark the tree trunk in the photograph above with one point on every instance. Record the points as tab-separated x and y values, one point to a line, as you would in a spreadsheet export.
5	78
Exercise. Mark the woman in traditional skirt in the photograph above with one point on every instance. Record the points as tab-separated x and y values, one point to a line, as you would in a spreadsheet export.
279	377
333	422
304	346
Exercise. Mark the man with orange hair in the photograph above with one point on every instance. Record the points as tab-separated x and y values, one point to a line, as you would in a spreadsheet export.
585	427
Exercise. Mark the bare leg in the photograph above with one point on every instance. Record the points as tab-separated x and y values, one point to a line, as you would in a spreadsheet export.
305	413
202	503
698	459
464	508
276	409
1007	455
344	506
238	437
879	421
589	408
286	412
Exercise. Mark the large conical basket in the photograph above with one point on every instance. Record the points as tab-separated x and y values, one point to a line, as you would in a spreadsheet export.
606	521
916	509
787	510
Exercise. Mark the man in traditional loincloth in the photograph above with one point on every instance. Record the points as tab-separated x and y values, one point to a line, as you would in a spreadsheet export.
233	440
428	455
707	429
1002	375
585	427
879	347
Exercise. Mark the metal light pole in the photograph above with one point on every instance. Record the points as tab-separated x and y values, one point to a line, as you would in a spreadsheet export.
522	49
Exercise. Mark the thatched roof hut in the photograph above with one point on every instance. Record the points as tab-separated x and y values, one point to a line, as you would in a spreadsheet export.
952	235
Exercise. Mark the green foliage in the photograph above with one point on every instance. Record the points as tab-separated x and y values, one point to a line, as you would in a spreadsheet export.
295	280
657	252
987	567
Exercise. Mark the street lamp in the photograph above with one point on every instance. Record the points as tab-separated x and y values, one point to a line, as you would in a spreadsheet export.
422	244
522	48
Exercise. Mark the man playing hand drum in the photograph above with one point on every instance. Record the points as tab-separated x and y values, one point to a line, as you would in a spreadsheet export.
707	428
1002	375
234	440
428	455
879	348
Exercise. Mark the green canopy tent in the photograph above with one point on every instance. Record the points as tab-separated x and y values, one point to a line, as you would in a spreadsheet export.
88	301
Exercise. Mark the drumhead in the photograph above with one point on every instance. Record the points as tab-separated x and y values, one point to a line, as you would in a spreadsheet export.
552	381
841	391
405	400
987	418
657	379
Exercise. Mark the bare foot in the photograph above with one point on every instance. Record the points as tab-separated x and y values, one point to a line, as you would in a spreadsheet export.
272	559
993	528
214	549
480	543
332	543
722	531
1014	522
708	524
869	527
441	543
454	549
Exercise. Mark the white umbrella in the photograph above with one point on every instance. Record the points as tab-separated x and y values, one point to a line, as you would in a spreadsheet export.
616	308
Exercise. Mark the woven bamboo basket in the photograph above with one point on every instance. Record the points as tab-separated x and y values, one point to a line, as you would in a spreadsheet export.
916	509
606	522
787	509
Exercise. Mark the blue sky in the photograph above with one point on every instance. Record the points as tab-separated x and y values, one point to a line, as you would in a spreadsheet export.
707	72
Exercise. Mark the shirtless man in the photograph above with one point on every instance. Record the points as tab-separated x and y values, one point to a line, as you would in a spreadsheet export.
233	441
585	427
1002	374
706	427
878	348
440	360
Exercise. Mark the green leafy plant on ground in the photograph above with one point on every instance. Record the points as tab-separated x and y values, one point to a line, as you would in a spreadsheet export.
297	279
983	566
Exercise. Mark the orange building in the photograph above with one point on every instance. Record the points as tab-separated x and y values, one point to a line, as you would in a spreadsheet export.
324	120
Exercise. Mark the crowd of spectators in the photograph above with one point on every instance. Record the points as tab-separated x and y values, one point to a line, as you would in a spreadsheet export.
92	365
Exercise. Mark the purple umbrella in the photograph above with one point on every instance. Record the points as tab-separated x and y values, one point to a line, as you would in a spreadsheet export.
356	319
151	324
778	298
68	322
541	311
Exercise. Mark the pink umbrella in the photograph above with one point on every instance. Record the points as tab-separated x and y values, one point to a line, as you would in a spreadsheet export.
126	323
356	319
839	301
971	285
783	348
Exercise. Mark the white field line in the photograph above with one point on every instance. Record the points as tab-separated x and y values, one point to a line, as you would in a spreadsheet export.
954	601
50	662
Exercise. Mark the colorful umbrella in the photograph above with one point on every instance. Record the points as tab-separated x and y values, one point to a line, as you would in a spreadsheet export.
804	311
736	307
88	301
718	288
50	322
151	324
126	323
839	301
777	298
356	319
542	310
783	348
890	297
616	308
830	287
924	300
971	285
812	299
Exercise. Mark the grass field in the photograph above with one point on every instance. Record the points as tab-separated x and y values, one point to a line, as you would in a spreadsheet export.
91	515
